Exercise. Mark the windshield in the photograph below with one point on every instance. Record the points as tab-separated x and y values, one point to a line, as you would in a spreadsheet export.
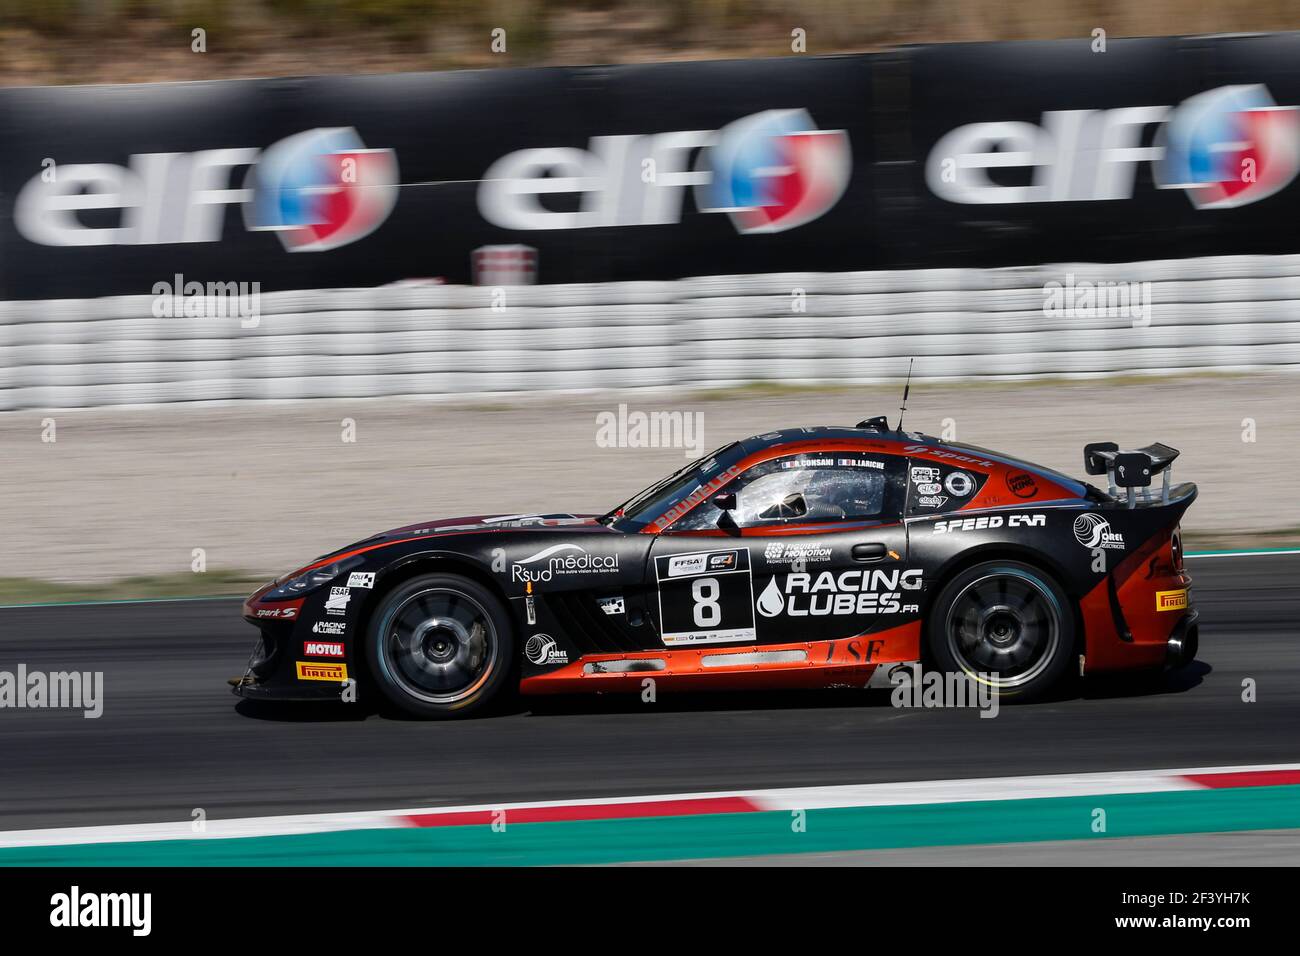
654	502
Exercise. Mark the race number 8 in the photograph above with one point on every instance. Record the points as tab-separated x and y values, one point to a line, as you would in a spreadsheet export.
705	591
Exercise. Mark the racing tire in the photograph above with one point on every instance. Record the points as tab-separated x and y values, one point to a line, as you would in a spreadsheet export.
1005	624
439	646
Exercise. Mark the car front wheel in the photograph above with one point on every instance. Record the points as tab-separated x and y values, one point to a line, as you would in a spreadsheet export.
440	645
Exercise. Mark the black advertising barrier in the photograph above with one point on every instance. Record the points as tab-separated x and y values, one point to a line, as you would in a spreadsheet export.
928	156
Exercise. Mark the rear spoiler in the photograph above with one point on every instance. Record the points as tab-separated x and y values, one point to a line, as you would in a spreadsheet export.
1131	469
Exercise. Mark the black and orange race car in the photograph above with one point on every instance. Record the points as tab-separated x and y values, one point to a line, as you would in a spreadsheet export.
799	558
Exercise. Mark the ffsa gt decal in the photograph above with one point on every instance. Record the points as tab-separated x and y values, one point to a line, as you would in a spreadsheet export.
849	592
706	597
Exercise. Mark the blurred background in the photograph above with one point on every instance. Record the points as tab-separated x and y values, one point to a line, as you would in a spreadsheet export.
135	41
277	274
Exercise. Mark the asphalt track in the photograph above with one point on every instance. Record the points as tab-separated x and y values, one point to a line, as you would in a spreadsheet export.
172	739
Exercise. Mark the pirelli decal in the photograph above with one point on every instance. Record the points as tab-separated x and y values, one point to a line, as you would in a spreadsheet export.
316	670
1171	600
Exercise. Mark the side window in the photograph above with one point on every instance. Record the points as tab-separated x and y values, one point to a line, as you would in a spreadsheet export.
843	486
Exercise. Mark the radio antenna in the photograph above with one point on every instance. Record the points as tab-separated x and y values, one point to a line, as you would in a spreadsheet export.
907	387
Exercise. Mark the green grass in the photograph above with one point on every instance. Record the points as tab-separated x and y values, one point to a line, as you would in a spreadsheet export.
217	583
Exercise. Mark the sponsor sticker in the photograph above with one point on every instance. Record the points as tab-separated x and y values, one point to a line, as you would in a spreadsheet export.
706	597
337	602
337	628
541	649
322	648
282	613
852	592
1022	484
781	552
1093	531
987	522
316	670
561	560
1171	600
686	564
361	579
611	605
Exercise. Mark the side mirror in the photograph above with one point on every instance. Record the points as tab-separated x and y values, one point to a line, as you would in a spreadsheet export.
725	502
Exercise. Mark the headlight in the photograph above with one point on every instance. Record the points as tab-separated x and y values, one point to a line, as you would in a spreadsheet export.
309	581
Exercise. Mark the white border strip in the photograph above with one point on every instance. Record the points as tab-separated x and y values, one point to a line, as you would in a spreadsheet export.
803	798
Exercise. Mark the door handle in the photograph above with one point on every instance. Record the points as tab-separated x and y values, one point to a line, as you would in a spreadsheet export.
868	552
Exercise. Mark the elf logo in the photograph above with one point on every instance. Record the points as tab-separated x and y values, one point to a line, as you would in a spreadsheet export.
769	172
317	190
1229	147
1226	147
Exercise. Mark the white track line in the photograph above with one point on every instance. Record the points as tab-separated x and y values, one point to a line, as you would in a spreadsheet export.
803	798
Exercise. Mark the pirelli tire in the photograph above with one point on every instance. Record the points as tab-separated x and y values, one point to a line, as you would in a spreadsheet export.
440	646
1005	624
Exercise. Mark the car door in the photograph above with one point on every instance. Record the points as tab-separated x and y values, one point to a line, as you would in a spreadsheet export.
813	550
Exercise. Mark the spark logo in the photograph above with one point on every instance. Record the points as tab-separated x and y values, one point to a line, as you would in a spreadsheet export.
1229	147
774	171
321	189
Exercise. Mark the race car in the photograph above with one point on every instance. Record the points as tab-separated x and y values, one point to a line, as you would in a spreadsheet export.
807	557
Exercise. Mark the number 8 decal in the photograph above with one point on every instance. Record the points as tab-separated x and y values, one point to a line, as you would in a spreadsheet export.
705	597
707	610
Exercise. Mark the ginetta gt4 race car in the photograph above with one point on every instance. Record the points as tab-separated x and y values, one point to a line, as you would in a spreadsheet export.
799	558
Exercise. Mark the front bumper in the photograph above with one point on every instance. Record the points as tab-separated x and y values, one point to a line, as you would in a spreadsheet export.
281	666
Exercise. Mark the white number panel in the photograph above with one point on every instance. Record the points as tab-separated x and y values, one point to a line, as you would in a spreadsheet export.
706	597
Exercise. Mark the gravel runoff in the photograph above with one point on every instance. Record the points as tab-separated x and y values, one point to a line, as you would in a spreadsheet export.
266	486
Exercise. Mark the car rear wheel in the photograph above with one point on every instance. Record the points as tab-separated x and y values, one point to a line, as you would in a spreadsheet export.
1004	624
440	645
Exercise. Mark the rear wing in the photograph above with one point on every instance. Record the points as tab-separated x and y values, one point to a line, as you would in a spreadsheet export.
1131	470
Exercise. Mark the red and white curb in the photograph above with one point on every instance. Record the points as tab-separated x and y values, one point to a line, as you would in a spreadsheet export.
684	804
